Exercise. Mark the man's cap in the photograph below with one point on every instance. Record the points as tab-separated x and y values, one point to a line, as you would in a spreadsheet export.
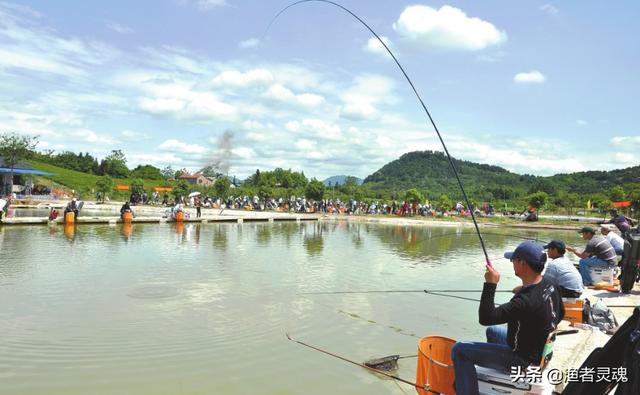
557	244
587	229
530	251
74	199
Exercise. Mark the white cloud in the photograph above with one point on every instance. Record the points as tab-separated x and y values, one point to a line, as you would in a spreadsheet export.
206	106
90	136
251	124
173	145
321	129
309	99
531	77
130	135
161	106
549	9
626	141
305	144
374	46
204	5
366	92
208	4
118	27
253	136
281	93
244	152
292	126
582	122
446	28
235	78
249	43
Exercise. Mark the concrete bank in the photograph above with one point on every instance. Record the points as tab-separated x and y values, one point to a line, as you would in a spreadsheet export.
571	350
110	213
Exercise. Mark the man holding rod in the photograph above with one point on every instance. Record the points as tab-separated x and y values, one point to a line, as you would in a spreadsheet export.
531	315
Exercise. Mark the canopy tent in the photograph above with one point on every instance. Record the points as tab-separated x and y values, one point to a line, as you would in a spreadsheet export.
32	172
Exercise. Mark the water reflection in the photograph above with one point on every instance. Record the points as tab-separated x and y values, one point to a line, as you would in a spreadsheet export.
432	244
220	237
313	241
263	234
126	230
70	231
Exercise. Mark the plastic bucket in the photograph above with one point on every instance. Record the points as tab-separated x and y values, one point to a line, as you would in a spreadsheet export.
69	218
179	216
435	367
127	216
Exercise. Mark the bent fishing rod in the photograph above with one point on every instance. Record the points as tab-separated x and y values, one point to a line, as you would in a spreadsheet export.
415	91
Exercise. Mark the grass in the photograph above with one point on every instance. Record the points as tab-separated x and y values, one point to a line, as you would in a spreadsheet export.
81	183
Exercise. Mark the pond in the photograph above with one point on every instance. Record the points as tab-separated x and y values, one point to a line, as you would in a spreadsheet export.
204	308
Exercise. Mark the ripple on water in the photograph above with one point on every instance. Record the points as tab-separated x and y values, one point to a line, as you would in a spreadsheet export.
153	291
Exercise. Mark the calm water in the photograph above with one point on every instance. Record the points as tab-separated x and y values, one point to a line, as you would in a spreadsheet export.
203	309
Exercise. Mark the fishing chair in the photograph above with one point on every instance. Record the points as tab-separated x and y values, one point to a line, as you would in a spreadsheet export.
491	381
435	372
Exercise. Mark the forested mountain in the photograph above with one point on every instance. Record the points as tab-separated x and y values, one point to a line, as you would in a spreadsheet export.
431	172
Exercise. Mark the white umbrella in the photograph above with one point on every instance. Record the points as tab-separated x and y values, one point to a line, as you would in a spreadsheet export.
194	194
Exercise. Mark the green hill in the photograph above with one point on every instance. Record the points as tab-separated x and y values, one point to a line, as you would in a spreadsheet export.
78	181
431	172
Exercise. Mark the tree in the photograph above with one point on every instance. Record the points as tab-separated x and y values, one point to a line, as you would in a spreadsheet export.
168	173
181	189
413	196
222	186
537	199
15	148
617	194
104	185
137	186
114	165
146	172
444	203
210	172
542	185
314	190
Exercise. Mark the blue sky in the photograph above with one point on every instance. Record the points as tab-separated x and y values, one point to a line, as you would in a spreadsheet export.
533	86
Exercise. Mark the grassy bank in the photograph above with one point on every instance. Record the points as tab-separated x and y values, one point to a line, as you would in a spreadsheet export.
81	183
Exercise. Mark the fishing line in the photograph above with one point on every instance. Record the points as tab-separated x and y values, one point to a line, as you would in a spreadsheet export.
415	91
398	291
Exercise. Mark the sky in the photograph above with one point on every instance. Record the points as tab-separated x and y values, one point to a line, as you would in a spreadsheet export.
532	86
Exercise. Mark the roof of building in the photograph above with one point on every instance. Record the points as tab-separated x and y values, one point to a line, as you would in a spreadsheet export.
22	168
187	175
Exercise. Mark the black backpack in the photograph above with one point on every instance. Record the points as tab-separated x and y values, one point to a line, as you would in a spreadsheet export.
621	351
630	261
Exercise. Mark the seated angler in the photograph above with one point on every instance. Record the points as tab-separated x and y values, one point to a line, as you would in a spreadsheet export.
531	315
126	208
561	272
598	253
616	241
72	207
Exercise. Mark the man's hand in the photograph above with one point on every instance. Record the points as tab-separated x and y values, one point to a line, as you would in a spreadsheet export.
491	275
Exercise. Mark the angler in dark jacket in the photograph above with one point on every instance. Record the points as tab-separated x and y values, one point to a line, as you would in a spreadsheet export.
531	315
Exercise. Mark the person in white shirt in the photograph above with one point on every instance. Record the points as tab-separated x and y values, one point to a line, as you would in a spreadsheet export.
616	241
561	272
